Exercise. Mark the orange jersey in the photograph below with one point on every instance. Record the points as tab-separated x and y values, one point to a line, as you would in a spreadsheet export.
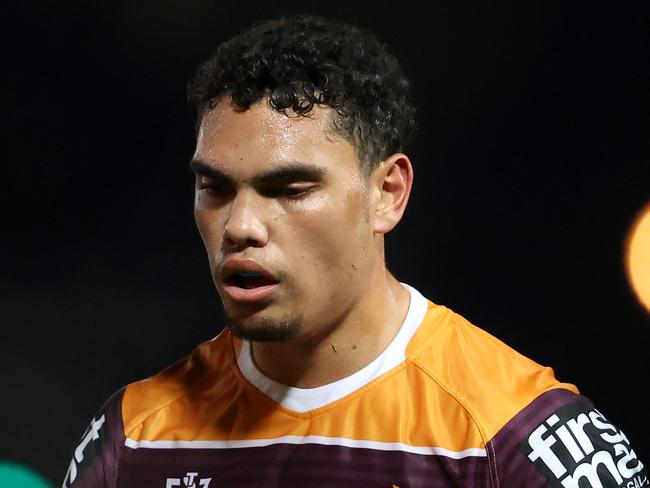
446	404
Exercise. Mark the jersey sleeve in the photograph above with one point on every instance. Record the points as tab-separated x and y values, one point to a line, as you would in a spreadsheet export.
561	441
94	460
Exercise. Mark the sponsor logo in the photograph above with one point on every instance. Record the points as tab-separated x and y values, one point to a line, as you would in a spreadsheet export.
91	434
580	448
190	480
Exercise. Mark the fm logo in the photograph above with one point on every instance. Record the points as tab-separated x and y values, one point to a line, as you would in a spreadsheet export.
575	445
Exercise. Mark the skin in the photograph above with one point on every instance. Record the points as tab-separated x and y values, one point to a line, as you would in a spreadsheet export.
322	236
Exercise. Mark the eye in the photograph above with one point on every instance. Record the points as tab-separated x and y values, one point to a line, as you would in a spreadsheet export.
297	192
215	188
290	192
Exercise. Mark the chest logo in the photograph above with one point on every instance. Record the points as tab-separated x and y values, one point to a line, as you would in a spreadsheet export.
190	480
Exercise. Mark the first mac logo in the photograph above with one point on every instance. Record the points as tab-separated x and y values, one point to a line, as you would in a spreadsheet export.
578	448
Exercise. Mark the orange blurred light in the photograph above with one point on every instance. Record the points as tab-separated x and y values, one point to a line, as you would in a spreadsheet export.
637	256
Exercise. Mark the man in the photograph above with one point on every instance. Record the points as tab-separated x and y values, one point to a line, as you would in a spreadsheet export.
331	372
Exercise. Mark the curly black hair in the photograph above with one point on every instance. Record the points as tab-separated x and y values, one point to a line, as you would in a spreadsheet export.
301	61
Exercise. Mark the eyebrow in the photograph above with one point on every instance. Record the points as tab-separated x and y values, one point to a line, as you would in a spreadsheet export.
285	173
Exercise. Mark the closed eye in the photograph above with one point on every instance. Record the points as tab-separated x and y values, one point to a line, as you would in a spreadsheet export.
292	192
217	189
213	185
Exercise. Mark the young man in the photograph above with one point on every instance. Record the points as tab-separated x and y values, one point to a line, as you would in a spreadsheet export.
330	372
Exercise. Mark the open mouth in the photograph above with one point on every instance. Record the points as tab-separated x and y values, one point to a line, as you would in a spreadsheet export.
248	280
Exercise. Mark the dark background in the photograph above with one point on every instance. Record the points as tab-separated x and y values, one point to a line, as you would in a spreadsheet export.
532	160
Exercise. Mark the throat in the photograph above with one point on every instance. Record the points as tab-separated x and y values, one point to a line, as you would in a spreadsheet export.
310	365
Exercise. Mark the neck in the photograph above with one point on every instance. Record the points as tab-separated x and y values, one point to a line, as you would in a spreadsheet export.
363	333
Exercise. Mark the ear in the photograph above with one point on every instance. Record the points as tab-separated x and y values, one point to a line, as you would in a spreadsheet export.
391	183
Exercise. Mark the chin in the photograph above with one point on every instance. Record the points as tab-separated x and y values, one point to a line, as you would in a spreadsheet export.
266	329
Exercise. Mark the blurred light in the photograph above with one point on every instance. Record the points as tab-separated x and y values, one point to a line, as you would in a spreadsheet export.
637	256
16	476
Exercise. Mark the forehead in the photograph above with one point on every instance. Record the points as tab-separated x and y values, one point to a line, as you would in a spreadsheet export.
261	137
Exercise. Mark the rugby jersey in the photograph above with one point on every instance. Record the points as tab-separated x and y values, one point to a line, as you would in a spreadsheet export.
446	404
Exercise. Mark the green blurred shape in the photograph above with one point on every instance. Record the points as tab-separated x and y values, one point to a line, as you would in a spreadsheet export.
14	475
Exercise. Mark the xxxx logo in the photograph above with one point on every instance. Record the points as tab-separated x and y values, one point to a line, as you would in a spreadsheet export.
85	449
190	480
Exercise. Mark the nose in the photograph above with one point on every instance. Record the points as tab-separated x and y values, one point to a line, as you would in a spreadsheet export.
245	225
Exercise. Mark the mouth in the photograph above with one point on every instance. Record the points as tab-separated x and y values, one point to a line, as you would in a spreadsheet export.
247	286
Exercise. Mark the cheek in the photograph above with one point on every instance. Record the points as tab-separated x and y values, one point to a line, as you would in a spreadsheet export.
330	230
208	225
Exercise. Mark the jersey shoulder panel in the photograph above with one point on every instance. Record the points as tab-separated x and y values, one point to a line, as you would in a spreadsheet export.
561	440
94	460
146	400
491	380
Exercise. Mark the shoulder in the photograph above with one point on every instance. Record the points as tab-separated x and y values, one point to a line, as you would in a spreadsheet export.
146	400
538	431
95	456
143	409
491	380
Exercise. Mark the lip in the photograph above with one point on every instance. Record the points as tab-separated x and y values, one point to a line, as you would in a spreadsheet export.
250	295
247	295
